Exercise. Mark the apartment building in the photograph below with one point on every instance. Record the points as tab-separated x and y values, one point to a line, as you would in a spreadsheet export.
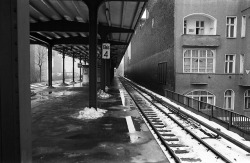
198	48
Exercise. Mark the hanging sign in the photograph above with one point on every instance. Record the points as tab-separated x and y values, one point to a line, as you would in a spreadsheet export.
106	51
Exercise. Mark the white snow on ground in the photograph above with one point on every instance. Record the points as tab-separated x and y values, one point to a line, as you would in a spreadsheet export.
90	113
101	94
233	152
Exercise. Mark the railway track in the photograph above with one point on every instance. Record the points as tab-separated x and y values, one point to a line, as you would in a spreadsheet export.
172	130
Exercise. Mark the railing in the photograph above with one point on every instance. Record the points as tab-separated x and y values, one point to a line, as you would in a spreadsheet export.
230	118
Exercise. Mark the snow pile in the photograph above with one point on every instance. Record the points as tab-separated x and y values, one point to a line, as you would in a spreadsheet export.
91	113
101	94
106	89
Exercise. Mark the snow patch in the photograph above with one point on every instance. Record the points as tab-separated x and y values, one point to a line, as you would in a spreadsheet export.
90	113
101	94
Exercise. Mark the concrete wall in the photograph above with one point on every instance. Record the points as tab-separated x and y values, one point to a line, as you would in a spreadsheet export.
153	43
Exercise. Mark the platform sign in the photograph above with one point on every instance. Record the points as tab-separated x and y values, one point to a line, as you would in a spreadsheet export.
106	51
79	65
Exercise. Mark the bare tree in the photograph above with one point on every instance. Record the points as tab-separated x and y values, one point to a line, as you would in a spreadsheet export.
40	59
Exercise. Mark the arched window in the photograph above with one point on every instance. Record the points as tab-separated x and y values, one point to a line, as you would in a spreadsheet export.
199	24
202	95
229	100
247	99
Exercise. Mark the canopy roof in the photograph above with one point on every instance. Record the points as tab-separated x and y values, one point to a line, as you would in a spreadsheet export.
65	25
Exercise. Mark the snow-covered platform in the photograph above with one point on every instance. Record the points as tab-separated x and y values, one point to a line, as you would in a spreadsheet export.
65	130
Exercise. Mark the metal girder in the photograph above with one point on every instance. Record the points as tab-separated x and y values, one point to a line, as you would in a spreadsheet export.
39	42
72	26
40	38
81	41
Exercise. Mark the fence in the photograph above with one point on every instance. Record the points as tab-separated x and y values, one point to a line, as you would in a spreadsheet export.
232	119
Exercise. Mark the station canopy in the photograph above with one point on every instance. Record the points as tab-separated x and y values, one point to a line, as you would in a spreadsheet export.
64	24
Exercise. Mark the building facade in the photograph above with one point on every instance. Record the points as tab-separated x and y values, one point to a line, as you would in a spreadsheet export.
198	48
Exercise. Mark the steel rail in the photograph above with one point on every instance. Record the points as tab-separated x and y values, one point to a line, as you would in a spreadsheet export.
171	152
179	124
232	140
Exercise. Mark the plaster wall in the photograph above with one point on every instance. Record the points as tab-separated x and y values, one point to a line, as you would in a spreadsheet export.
152	43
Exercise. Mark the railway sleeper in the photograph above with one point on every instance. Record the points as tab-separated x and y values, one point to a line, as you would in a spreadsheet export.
159	127
167	134
151	114
191	159
175	145
156	120
171	139
157	123
164	130
180	151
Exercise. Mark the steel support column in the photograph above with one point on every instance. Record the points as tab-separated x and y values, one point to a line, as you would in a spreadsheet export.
63	83
73	75
103	64
50	66
103	80
93	10
80	70
15	115
63	65
107	69
112	73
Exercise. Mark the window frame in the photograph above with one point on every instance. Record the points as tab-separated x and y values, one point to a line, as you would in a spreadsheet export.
184	27
232	99
206	58
234	60
199	27
243	26
199	96
242	63
245	99
230	25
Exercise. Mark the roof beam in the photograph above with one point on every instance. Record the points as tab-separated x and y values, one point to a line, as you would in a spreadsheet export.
72	26
40	38
81	41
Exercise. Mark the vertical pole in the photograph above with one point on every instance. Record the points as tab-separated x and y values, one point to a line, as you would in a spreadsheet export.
15	117
80	70
73	75
107	74
63	83
103	65
92	55
50	66
63	65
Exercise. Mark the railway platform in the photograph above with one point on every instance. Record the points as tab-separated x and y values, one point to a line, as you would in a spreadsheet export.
120	135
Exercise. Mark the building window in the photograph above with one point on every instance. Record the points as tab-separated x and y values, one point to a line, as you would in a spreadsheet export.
242	58
162	73
198	61
229	100
231	27
243	26
199	28
199	24
144	17
230	63
185	27
203	96
247	99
